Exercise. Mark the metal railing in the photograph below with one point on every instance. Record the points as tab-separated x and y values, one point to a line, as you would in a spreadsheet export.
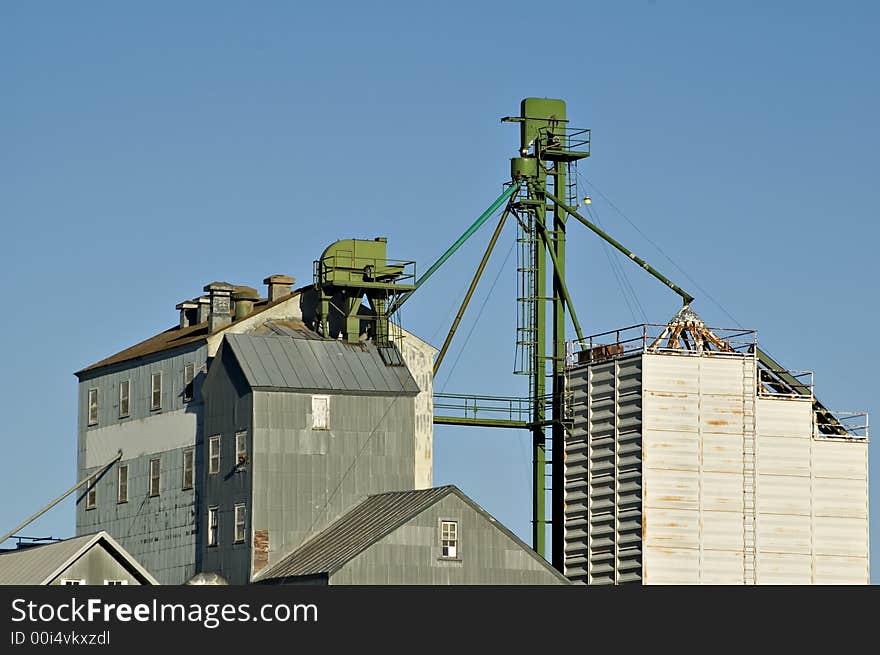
468	406
850	426
646	337
770	386
572	139
367	269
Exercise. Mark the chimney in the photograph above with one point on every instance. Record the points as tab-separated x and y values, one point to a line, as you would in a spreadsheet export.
220	312
204	303
189	313
279	286
244	298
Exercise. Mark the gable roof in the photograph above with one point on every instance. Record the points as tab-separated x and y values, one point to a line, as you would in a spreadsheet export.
177	336
281	361
39	565
375	518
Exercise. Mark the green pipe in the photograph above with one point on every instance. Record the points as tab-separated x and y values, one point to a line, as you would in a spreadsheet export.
513	188
638	260
470	291
562	286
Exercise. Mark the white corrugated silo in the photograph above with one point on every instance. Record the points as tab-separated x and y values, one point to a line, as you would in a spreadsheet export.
690	460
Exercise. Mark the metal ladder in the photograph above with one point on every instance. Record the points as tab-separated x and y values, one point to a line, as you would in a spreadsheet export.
749	477
526	328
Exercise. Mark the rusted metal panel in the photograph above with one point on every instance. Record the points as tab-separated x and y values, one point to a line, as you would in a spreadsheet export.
671	565
783	533
672	528
721	491
723	453
672	450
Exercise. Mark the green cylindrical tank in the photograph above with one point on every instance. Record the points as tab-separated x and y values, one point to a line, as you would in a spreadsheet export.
522	167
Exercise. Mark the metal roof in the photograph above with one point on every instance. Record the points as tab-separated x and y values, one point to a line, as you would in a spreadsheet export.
354	532
281	362
39	565
178	336
372	520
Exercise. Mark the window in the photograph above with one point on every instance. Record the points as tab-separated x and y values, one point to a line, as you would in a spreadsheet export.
214	454
124	389
321	412
213	528
449	539
122	484
241	456
154	477
92	493
68	581
188	468
93	407
189	373
156	391
240	521
113	583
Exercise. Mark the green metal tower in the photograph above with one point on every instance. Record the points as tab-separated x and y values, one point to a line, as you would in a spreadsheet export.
548	150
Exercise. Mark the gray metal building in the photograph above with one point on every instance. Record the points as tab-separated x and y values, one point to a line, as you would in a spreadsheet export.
397	538
92	559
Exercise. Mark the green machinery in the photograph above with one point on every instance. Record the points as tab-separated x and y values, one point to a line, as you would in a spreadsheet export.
349	270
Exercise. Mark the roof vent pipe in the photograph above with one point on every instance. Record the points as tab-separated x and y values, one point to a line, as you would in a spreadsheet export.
244	298
204	303
189	313
220	313
279	286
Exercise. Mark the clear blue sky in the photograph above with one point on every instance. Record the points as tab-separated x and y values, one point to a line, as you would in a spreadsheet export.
148	149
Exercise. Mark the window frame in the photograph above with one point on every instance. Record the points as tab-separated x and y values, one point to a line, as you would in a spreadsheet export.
90	421
241	448
189	371
115	583
326	423
72	581
243	524
451	551
125	384
212	456
213	526
92	492
191	452
155	391
119	476
153	492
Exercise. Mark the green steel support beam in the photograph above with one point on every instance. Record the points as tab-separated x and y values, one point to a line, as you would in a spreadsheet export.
471	289
563	287
480	422
539	373
504	197
686	297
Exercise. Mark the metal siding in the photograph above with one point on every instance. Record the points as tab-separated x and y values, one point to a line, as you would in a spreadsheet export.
603	474
840	570
411	554
307	478
158	532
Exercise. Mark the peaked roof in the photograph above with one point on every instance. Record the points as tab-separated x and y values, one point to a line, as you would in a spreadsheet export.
363	526
279	361
39	565
177	336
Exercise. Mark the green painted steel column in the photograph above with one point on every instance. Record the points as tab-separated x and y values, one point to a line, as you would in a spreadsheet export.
539	373
557	431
